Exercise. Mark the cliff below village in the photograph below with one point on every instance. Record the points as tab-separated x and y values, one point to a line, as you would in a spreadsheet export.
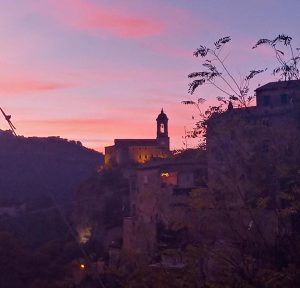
101	204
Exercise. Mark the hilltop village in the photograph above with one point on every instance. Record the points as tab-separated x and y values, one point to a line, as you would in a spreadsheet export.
217	212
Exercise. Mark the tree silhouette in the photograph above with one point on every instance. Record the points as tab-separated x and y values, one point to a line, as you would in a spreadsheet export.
288	60
216	73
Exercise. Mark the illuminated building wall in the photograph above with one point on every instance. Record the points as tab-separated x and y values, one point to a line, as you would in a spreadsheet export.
126	151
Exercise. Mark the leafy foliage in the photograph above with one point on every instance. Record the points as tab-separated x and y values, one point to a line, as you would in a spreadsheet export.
223	81
255	191
221	42
216	74
288	69
253	73
193	85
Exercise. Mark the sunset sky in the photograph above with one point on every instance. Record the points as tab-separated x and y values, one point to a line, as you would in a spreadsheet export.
95	70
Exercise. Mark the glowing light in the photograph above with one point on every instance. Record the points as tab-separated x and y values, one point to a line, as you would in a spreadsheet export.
82	266
165	174
84	234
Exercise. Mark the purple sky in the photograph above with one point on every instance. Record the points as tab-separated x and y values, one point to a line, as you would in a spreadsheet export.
95	70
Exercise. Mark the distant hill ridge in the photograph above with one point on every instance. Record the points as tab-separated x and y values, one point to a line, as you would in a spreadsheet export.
36	170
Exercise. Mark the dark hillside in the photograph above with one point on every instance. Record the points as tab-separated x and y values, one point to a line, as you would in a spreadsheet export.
36	170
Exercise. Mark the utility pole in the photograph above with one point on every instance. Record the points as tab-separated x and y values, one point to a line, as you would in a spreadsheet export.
7	118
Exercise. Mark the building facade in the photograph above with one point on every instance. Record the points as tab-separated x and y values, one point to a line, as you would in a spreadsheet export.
252	159
251	153
161	216
248	145
127	151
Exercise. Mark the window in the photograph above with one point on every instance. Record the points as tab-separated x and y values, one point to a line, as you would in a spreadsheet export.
284	99
162	128
200	177
266	100
169	178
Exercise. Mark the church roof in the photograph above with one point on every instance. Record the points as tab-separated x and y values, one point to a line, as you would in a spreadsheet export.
135	142
162	116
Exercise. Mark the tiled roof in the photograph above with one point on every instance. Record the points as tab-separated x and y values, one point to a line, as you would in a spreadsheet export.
135	142
291	84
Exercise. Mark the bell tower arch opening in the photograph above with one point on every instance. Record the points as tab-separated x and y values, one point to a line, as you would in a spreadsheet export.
162	128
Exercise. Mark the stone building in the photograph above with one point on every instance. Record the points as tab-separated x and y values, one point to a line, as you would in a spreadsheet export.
278	94
252	156
161	216
222	204
247	145
127	151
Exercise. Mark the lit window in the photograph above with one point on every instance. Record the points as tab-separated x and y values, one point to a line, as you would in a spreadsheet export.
164	174
169	178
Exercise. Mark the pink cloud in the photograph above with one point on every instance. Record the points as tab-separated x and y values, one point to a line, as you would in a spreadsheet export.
26	85
15	79
84	15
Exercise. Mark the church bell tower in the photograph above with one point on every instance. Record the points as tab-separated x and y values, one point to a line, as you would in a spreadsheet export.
162	137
